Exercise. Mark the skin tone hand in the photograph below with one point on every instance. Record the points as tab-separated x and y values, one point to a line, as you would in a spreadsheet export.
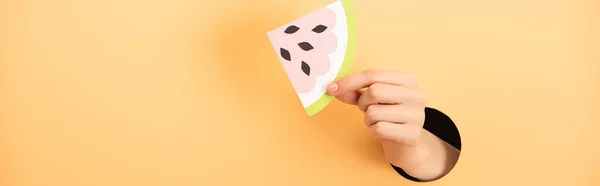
394	110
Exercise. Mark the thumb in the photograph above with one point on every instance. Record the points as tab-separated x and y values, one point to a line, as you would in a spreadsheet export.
348	98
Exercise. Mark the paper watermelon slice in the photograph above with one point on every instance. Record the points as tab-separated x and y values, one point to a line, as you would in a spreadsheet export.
315	50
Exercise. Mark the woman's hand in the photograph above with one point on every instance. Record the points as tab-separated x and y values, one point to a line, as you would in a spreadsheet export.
394	108
393	104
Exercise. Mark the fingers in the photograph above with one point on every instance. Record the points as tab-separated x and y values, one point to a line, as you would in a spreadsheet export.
390	94
405	134
400	123
399	114
367	78
393	104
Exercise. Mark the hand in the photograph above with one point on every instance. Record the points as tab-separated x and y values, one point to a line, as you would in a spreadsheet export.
394	109
394	106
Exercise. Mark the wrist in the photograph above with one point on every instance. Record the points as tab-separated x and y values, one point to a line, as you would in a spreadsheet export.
421	160
407	157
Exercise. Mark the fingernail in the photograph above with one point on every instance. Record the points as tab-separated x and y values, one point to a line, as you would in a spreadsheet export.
333	87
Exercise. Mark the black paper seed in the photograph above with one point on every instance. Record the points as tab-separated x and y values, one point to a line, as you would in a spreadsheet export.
305	46
319	29
285	54
291	29
305	68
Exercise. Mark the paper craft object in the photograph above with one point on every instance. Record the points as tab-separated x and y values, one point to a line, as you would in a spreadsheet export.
315	50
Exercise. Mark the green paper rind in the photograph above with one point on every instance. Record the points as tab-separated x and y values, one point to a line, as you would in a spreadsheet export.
325	99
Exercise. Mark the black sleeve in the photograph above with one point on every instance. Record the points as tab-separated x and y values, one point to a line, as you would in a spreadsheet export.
443	127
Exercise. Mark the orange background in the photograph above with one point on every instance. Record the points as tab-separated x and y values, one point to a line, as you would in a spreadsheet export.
186	92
